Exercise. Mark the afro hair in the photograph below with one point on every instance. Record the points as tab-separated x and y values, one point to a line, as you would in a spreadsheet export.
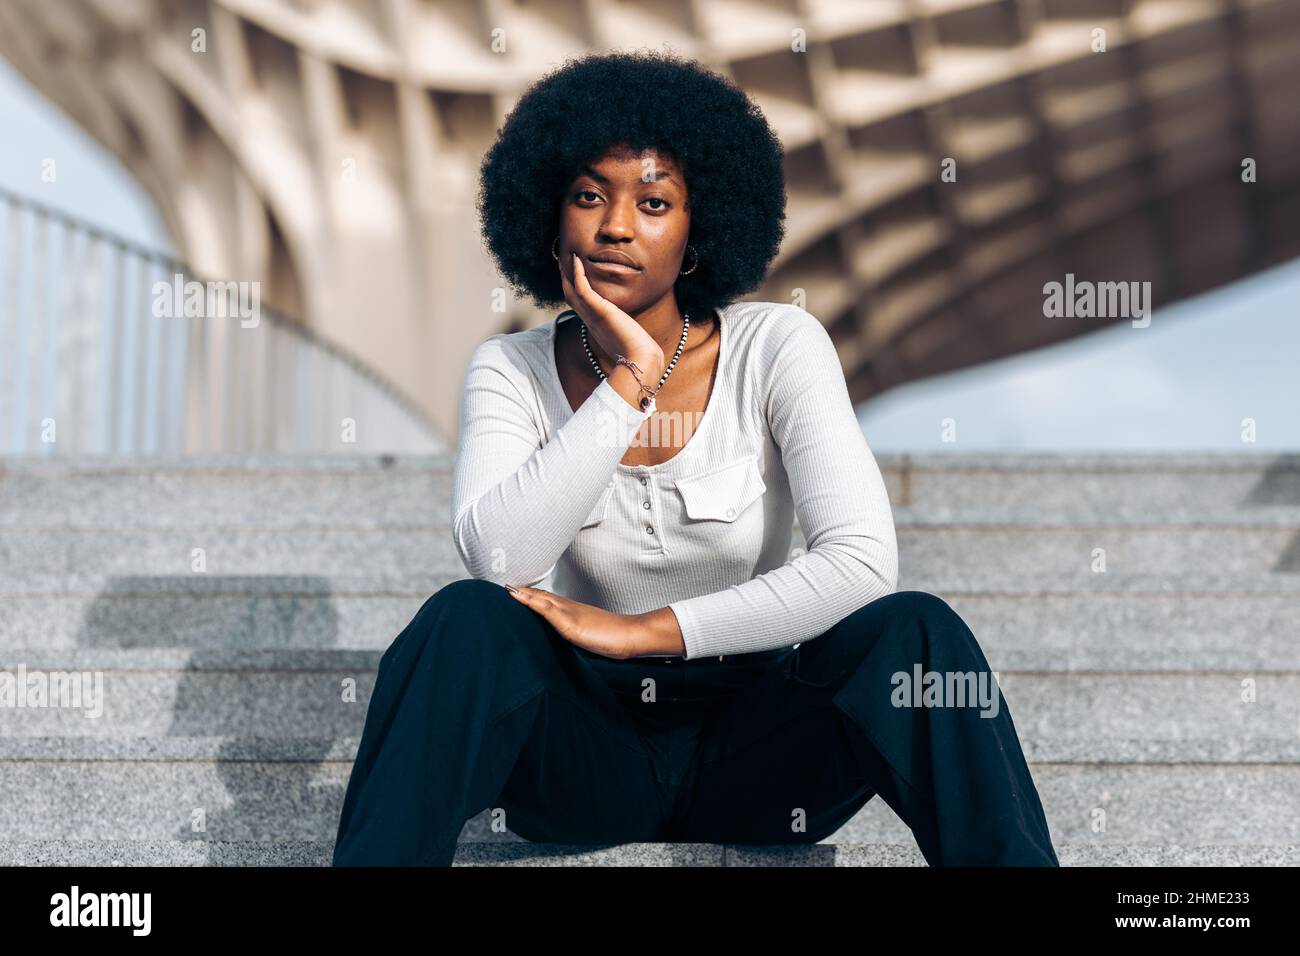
729	155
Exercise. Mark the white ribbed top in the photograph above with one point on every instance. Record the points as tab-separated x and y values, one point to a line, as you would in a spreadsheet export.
541	498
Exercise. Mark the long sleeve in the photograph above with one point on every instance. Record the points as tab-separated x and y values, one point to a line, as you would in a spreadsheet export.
841	502
517	503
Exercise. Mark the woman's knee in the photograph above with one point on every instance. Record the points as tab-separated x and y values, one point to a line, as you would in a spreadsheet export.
922	605
924	616
943	632
465	596
454	610
472	591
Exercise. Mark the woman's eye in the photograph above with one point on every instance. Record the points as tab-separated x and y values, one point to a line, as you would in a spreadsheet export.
589	196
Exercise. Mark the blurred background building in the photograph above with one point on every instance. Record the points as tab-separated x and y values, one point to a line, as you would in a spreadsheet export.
328	150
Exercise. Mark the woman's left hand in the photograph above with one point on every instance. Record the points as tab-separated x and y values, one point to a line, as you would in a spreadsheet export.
591	628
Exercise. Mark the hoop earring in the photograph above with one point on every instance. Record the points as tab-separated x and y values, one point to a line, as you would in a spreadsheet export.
555	254
693	265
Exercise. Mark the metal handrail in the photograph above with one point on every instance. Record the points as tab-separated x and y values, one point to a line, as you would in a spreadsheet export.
392	413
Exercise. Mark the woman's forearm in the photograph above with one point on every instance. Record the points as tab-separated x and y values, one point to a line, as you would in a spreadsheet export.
517	504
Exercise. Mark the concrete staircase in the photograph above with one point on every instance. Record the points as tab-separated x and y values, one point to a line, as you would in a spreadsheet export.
224	740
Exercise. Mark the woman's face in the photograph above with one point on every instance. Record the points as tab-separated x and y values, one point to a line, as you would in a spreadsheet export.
633	204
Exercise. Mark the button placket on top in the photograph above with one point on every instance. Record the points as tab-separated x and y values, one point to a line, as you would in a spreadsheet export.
648	512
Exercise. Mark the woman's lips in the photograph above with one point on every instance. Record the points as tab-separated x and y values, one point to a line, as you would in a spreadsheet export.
611	268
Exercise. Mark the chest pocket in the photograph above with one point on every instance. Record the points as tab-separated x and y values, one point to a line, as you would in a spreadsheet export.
602	505
722	493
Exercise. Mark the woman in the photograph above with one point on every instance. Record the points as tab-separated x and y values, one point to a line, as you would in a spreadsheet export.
636	656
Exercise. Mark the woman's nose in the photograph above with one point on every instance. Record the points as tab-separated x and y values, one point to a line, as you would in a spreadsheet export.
618	221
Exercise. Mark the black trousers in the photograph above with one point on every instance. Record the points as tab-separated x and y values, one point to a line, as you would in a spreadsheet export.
480	702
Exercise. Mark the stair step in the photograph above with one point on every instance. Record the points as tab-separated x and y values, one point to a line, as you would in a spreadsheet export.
1095	621
1081	749
291	789
1034	552
170	694
1123	487
288	491
43	559
315	853
1221	630
275	492
425	582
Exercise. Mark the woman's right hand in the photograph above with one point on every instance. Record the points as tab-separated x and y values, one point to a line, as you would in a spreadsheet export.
616	331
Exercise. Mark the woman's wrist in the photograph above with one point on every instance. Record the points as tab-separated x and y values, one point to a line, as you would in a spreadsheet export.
651	366
658	633
629	384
